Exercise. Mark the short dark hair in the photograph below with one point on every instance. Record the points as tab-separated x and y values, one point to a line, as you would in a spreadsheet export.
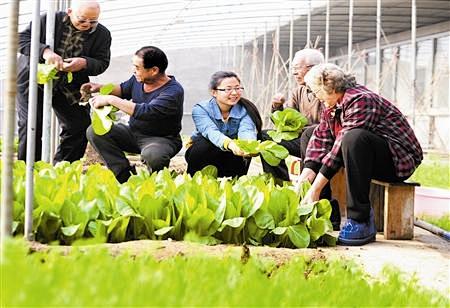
217	78
153	56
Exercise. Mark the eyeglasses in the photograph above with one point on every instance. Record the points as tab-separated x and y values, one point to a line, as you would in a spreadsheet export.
229	90
296	69
83	21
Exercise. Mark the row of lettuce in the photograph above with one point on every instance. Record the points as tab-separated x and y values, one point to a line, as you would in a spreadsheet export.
72	204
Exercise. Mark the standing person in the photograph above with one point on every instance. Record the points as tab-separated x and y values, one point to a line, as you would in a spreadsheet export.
218	121
364	133
154	101
304	101
82	46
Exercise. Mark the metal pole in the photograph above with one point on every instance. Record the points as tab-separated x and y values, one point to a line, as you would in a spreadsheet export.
327	32
264	56
308	26
31	126
291	49
350	35
413	60
8	125
48	87
378	50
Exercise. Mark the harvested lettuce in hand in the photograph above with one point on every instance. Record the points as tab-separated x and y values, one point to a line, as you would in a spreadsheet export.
272	152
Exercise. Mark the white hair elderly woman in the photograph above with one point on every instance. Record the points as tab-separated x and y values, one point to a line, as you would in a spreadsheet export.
364	133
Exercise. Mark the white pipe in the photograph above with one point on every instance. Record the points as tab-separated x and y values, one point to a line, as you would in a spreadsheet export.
31	125
48	87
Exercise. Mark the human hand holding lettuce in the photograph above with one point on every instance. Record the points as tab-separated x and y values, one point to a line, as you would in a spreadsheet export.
105	105
271	152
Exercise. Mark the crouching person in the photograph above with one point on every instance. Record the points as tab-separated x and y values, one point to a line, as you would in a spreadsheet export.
218	121
364	133
154	101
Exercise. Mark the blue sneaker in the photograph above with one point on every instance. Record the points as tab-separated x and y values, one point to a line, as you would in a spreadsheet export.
355	233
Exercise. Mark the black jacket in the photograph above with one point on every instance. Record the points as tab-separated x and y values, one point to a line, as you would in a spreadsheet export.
96	50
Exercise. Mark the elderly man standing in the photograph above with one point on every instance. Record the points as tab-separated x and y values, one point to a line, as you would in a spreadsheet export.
303	100
82	46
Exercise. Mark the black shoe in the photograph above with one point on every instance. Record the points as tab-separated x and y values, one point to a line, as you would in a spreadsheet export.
335	215
124	175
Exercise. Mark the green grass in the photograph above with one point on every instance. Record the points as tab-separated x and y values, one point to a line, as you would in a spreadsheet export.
442	222
433	172
95	278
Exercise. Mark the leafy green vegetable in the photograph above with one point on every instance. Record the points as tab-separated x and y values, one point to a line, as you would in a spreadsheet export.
103	118
71	205
288	124
272	152
46	72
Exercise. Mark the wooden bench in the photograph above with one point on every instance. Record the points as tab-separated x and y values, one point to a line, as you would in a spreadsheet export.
393	204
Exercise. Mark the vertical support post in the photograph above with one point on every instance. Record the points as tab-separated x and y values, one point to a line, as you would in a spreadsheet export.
227	55
350	35
234	56
48	87
413	60
8	120
31	126
241	66
276	55
308	26
221	56
327	32
378	51
291	51
264	55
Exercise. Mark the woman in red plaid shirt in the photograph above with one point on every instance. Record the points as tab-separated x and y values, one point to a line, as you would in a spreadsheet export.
364	133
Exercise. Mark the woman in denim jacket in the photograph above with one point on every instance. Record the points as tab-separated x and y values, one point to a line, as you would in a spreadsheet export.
218	121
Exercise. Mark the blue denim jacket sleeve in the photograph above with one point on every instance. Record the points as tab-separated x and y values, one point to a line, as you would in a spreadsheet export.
206	126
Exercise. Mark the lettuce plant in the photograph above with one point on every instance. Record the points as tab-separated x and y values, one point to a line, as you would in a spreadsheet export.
288	124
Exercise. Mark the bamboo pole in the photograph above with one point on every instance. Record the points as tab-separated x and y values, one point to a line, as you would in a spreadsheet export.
327	32
291	51
48	87
413	60
378	50
276	55
6	216
264	55
31	125
350	35
308	25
